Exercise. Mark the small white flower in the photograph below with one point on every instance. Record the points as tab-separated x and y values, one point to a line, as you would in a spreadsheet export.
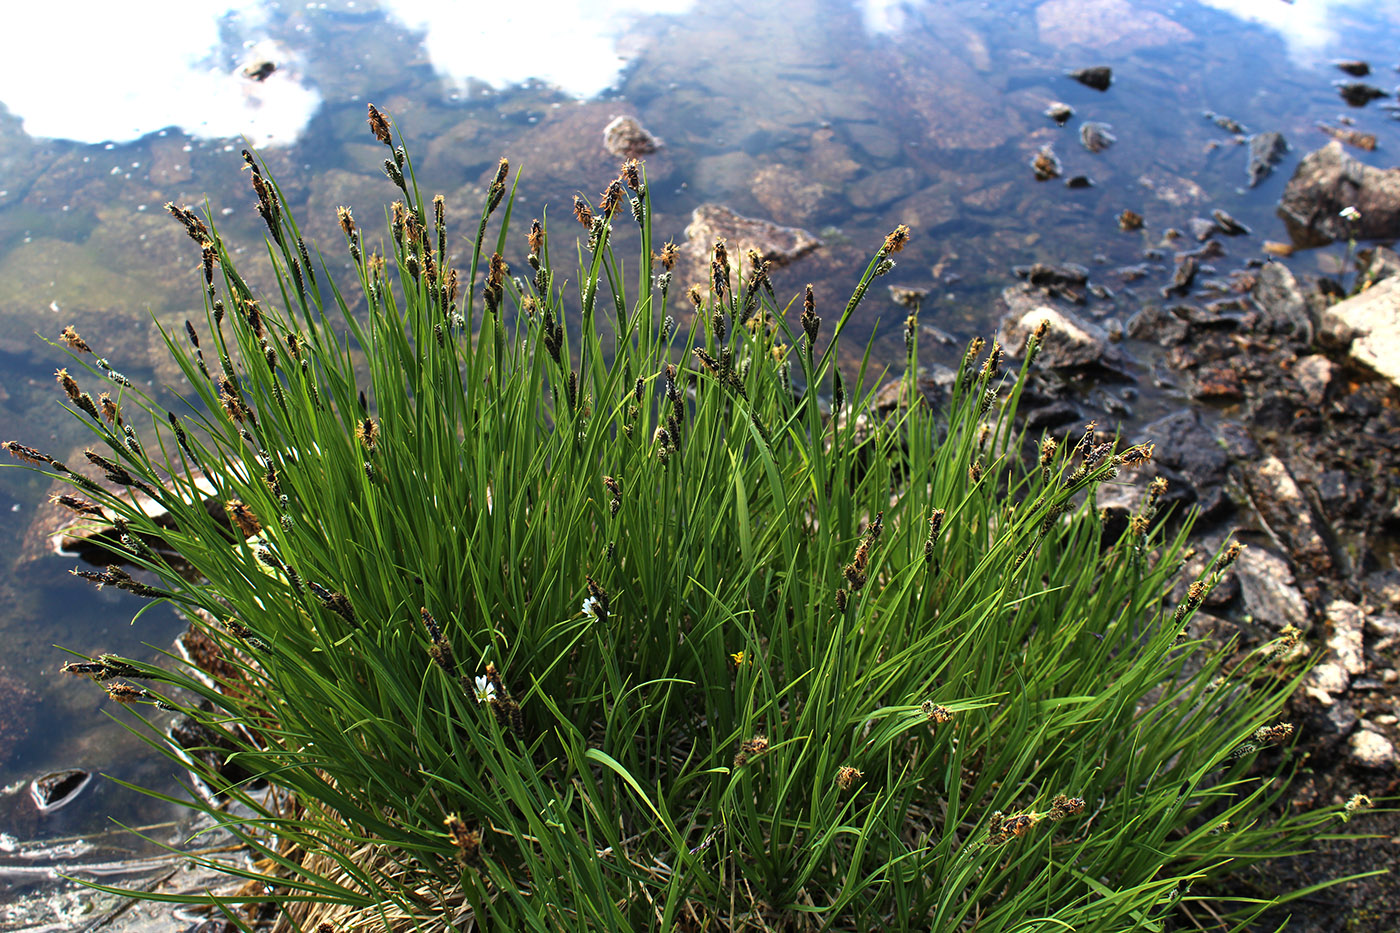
590	607
485	690
1349	213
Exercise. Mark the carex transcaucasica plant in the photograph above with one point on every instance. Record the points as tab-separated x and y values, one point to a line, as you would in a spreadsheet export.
557	594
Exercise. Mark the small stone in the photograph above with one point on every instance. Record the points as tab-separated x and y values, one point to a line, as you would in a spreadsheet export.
1265	151
626	138
1357	69
1129	220
57	788
1358	93
1314	375
1347	622
1096	136
1327	681
1046	164
1372	750
1079	181
1098	77
1059	112
1227	224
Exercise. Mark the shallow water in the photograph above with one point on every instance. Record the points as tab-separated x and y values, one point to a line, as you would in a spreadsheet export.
838	117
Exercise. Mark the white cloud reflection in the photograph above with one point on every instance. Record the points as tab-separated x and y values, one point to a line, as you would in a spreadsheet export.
1308	26
99	71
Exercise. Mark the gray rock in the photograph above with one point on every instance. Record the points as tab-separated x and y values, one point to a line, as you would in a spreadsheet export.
1328	180
1072	342
1326	682
1280	504
1370	749
779	245
1376	263
1265	151
1314	375
1098	77
1270	594
1278	296
1347	622
626	138
1096	136
1368	324
1186	268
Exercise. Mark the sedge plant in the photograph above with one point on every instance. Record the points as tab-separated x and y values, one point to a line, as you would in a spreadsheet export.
549	595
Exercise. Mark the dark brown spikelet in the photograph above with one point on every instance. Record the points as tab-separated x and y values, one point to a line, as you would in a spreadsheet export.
379	126
467	841
896	240
110	412
810	322
71	338
536	237
73	503
631	173
126	693
1063	806
192	224
583	213
70	385
242	517
347	220
936	714
208	257
367	433
26	454
695	297
719	267
611	197
668	254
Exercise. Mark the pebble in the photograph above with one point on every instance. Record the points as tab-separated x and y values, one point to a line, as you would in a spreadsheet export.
1371	749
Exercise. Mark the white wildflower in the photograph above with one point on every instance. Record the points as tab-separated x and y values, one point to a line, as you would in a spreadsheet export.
485	690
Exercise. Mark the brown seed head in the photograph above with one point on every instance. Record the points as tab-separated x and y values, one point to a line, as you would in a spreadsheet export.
668	254
583	213
242	518
379	126
896	240
631	173
126	693
71	338
846	776
536	237
367	433
612	196
347	220
935	713
27	454
69	384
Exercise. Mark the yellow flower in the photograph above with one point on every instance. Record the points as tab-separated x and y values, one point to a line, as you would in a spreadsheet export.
740	658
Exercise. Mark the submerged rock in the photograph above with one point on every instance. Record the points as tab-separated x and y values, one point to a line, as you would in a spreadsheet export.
1227	224
1071	342
1229	124
709	222
1059	112
1079	181
1350	137
1359	94
1185	274
1096	136
1098	77
16	715
1265	151
1368	324
57	788
1357	69
1328	180
1046	164
1129	220
626	138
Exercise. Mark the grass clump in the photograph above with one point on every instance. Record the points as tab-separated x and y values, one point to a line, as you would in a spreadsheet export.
546	600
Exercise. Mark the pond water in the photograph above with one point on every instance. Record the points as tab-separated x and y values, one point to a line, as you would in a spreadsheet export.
843	118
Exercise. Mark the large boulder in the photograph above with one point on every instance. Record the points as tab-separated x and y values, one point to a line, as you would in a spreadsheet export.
1328	180
1369	325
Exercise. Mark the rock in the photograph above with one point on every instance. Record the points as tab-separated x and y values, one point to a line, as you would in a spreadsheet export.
1356	69
1219	381
1185	274
1059	112
880	188
1228	124
907	297
1326	682
779	245
1079	181
1062	412
1376	263
1358	93
1098	77
1270	595
1363	141
1347	621
1314	375
1236	440
1265	151
1368	324
1096	136
1072	342
1370	749
1328	180
57	788
1278	296
1281	506
1202	229
626	138
789	196
1045	274
1227	224
1046	164
1129	220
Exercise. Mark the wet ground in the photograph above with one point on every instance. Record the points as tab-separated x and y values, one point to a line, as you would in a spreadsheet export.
842	119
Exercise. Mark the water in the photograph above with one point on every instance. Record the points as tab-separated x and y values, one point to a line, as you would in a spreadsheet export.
842	118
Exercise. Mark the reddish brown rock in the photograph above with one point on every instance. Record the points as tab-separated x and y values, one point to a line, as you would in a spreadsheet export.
709	222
